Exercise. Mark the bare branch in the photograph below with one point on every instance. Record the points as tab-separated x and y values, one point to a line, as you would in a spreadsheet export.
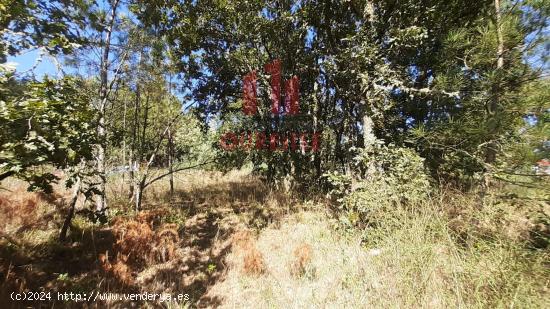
177	170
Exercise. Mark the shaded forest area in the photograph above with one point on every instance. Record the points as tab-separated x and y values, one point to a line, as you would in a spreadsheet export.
266	154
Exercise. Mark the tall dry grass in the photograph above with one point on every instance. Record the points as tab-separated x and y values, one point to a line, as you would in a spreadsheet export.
446	252
177	244
231	241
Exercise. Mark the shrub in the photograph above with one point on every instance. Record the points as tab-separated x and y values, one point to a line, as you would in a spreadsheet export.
389	176
302	260
254	263
141	241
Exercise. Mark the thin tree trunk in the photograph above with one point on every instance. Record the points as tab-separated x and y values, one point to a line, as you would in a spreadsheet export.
490	155
170	144
101	202
144	128
70	215
170	161
369	138
500	38
124	145
316	115
138	193
6	175
133	165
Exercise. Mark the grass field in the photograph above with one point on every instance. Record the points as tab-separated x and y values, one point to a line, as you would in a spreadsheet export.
230	241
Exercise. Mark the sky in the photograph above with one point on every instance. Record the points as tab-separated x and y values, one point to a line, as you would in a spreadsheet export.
25	62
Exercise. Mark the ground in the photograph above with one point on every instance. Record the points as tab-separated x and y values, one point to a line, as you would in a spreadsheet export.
228	240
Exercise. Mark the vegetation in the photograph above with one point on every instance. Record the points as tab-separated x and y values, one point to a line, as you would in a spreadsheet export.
391	153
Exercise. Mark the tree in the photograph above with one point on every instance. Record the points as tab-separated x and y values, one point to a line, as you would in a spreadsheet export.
30	108
103	57
105	87
485	63
50	25
369	70
49	122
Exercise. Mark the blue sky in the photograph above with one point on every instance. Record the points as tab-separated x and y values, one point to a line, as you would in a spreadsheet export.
26	61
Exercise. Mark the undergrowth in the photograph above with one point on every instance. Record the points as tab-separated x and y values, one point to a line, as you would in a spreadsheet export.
230	241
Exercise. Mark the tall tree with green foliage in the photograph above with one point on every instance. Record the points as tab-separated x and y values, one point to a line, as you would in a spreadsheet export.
440	77
489	65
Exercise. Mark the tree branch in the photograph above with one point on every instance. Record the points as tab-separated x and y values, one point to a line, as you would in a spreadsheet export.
175	171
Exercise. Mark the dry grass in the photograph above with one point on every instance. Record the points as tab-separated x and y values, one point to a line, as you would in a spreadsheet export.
176	244
253	261
141	242
21	210
230	241
189	241
302	260
415	259
306	243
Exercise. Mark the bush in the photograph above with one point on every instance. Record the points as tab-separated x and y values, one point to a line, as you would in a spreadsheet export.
390	176
140	242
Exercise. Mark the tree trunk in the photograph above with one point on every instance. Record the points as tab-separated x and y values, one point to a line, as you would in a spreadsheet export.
171	161
144	128
124	144
500	38
369	139
70	215
138	194
493	106
6	175
133	165
170	143
316	116
101	202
